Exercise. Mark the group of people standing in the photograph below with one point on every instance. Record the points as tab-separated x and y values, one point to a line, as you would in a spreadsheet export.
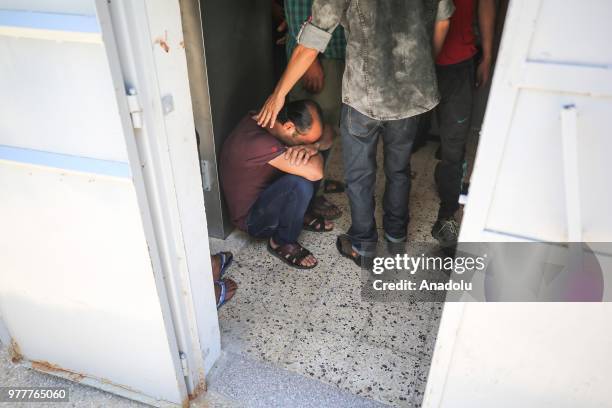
370	69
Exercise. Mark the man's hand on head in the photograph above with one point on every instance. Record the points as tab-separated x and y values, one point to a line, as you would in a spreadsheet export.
269	112
301	58
301	154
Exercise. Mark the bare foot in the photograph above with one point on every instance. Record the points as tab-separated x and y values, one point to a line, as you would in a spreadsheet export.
215	260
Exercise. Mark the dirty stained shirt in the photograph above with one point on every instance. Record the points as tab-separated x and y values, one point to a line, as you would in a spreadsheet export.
390	72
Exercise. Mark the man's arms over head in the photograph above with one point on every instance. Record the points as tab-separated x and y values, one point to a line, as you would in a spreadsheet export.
304	161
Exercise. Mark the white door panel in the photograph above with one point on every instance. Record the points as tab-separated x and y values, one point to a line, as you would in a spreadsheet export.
557	32
81	288
541	173
525	182
65	85
77	290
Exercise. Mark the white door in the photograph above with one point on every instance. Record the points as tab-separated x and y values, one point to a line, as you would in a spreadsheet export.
542	173
542	170
81	292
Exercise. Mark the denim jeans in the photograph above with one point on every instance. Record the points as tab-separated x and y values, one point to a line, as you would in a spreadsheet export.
456	84
359	144
280	208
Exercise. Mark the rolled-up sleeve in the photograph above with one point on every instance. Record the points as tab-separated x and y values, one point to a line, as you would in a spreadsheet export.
317	32
446	9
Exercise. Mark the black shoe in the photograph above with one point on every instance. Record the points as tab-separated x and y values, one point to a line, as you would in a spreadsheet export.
396	248
446	231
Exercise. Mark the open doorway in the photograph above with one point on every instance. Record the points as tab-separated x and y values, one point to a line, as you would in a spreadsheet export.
313	323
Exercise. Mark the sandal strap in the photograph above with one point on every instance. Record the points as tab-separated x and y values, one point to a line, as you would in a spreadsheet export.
322	203
221	283
317	223
295	255
226	259
333	186
324	208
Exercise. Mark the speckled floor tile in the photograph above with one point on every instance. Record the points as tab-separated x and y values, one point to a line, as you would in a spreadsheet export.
384	375
343	283
424	208
402	327
419	230
430	342
256	333
280	289
323	247
321	355
421	372
334	313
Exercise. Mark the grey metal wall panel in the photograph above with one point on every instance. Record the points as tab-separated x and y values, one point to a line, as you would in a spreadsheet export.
229	52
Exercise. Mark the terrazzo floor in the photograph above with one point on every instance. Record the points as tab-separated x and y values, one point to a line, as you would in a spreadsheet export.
315	322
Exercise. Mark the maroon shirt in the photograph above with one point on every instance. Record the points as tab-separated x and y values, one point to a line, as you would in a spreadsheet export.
245	171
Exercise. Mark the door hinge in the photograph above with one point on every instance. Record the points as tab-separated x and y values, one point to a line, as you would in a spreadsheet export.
183	358
135	108
205	169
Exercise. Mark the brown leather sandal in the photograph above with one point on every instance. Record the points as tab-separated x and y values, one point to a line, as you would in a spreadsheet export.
291	254
315	223
322	207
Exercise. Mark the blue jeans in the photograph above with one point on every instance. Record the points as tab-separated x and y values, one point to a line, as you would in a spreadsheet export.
359	144
280	208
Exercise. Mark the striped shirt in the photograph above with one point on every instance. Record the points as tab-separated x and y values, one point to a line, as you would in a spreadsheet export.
297	12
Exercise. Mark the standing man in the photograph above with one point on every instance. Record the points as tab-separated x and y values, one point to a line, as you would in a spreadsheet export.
455	71
389	79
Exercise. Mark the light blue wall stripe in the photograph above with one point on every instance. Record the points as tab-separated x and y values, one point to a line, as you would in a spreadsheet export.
66	162
49	21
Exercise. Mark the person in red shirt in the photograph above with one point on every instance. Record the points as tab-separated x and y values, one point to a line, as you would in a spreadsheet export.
456	82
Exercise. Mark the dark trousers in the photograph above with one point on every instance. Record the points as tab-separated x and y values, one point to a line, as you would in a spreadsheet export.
456	84
359	144
280	208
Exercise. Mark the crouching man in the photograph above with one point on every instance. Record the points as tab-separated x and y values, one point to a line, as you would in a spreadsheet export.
269	176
